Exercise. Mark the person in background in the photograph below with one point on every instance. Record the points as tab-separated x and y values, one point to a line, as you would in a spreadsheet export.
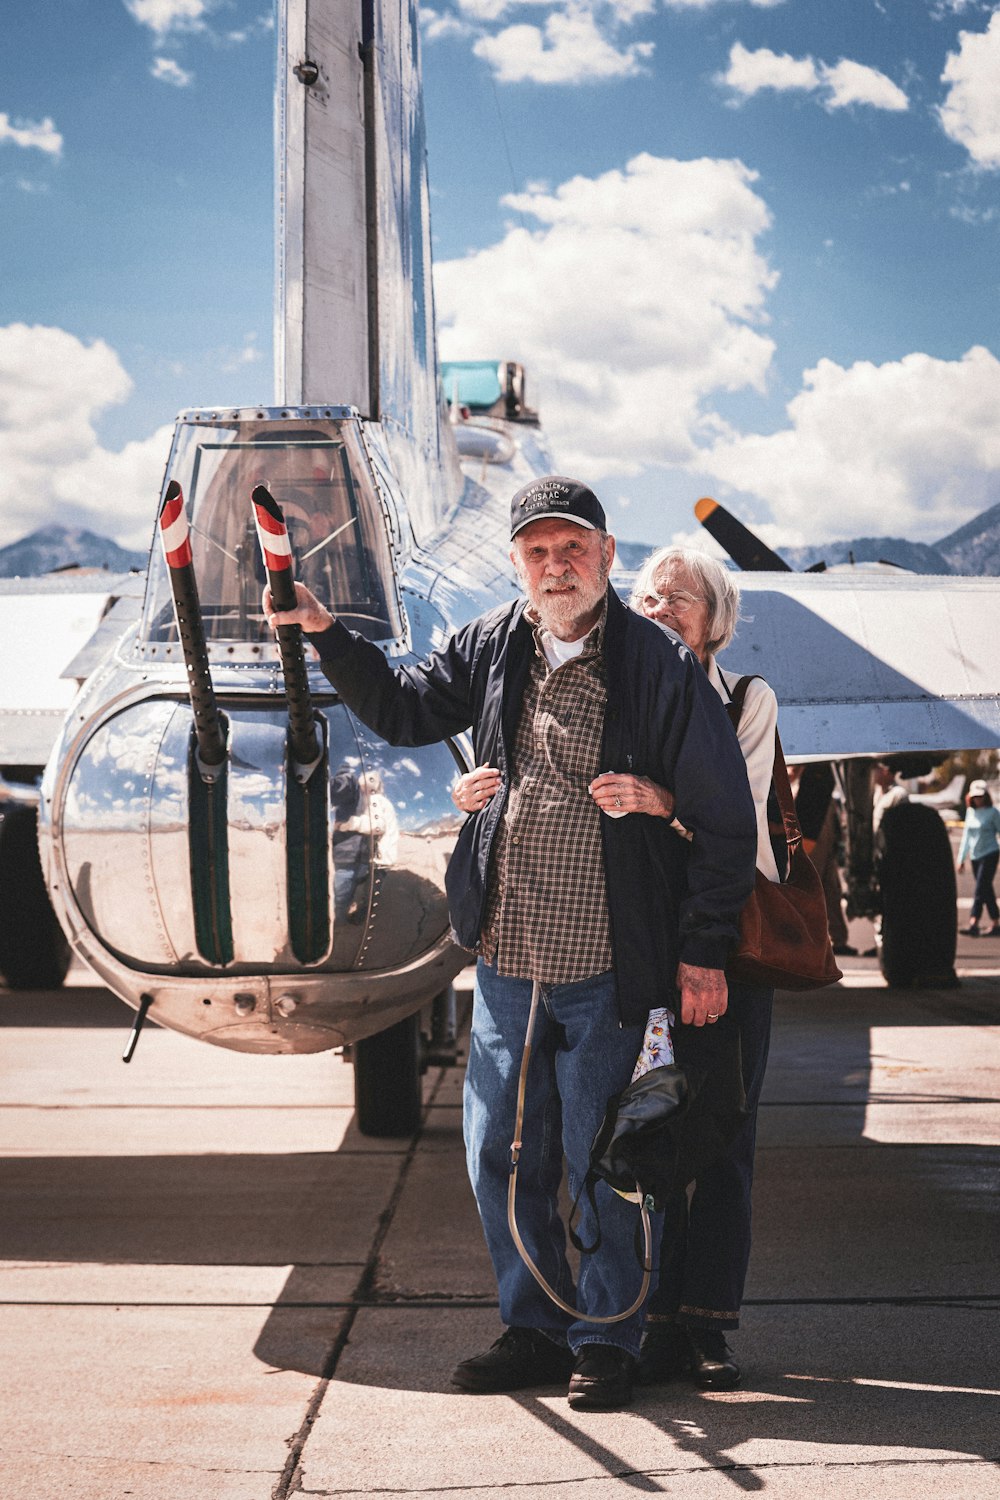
981	842
819	819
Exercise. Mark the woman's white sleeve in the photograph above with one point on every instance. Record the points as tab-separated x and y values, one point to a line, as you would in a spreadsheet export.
758	722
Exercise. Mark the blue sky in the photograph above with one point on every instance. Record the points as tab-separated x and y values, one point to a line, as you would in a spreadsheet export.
744	247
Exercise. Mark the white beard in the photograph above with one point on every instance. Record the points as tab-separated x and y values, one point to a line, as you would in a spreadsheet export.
561	607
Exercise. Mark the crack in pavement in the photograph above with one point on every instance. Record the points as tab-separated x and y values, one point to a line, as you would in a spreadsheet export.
115	1458
291	1474
494	1487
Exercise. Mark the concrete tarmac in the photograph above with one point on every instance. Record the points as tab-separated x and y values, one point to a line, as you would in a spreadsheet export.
213	1288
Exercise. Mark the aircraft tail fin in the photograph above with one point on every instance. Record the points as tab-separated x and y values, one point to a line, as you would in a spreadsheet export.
354	305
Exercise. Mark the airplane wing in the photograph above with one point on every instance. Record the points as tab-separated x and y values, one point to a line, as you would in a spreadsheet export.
44	624
868	664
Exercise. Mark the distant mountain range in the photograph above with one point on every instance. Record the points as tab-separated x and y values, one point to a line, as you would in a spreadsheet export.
53	548
917	557
972	550
975	547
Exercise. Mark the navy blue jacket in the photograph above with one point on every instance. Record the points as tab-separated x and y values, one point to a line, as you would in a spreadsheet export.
668	900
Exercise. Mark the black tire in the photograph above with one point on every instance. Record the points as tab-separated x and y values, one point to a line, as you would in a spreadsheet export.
388	1099
916	874
34	953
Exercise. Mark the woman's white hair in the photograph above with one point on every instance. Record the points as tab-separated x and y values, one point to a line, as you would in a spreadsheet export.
712	579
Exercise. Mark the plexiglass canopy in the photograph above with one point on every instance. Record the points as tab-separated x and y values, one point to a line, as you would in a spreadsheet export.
318	472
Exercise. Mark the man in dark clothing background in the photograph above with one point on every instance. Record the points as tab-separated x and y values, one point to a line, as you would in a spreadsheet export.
550	881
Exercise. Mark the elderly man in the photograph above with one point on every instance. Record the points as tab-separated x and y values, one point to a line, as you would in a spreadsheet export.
551	882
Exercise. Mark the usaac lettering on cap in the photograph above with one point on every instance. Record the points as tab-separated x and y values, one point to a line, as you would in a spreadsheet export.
557	498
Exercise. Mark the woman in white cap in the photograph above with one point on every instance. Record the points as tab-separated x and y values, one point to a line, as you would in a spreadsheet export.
981	842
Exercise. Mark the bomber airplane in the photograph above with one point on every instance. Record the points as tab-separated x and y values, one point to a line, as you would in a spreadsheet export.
243	862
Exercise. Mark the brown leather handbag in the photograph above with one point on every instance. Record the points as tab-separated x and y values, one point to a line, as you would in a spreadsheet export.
784	934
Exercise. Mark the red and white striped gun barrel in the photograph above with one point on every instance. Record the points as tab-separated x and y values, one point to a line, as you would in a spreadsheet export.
175	539
272	533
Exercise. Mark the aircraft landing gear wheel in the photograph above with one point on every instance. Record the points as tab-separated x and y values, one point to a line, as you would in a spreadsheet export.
388	1099
919	923
34	953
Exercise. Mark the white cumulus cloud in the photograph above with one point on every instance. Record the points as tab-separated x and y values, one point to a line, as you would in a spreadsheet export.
437	24
856	83
52	466
484	10
162	16
166	70
970	113
639	295
749	72
30	135
838	85
914	443
704	4
571	42
570	48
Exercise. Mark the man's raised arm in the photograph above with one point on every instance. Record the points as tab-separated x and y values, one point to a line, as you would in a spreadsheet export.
407	705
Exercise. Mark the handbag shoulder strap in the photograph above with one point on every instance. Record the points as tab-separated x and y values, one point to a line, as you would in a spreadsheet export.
737	696
779	775
793	833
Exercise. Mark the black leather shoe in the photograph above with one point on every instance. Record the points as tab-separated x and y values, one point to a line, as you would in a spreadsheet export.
602	1378
712	1362
664	1355
520	1358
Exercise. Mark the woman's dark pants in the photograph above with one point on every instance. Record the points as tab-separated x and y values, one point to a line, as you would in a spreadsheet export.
706	1238
985	869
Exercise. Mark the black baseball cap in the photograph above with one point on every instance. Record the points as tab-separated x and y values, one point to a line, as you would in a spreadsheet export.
554	497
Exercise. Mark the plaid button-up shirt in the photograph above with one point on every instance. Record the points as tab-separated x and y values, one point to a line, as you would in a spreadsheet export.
547	910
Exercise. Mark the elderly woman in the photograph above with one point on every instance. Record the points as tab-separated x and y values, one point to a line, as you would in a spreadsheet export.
706	1245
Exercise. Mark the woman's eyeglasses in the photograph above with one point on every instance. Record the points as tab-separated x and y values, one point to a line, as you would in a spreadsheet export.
678	603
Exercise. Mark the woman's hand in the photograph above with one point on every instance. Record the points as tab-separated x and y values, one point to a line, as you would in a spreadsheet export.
473	790
961	867
621	793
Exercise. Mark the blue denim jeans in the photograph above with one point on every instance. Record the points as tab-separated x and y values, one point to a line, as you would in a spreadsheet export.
580	1057
706	1239
985	870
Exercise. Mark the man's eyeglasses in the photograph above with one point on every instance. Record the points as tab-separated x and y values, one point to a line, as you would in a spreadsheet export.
678	603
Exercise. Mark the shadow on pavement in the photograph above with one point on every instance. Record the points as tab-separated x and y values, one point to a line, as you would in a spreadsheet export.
77	1005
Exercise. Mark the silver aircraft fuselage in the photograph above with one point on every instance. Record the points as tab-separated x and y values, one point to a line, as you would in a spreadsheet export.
236	906
189	892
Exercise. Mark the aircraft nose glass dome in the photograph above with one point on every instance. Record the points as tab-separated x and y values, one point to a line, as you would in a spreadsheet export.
319	475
